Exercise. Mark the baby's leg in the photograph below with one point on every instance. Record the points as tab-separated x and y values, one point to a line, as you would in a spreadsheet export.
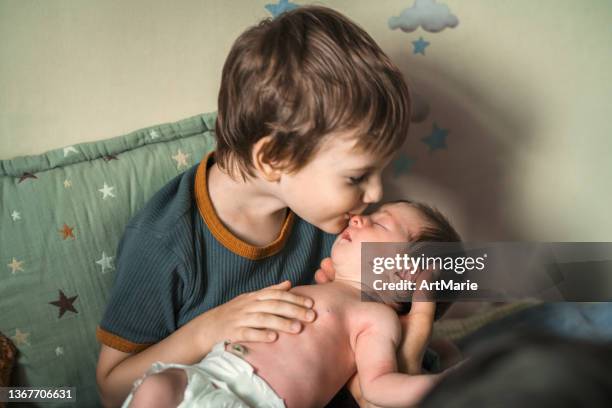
164	389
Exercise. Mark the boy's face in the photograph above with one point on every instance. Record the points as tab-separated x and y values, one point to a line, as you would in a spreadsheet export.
397	222
337	182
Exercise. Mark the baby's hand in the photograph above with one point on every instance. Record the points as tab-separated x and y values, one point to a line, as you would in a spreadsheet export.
326	272
260	315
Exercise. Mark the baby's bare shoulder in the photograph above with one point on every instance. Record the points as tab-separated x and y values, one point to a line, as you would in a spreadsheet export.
375	312
372	317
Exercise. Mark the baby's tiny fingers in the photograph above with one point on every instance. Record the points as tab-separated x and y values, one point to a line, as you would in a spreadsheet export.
321	277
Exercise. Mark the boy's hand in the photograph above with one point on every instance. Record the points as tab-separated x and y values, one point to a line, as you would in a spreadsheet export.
326	272
259	315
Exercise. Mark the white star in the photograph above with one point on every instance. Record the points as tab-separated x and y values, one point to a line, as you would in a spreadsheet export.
106	191
105	262
15	266
67	183
153	133
181	159
21	338
69	149
16	216
59	350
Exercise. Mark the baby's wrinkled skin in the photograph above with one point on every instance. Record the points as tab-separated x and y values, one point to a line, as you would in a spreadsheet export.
348	335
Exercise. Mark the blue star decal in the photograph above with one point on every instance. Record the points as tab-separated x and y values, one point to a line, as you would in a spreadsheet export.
419	46
402	164
437	138
281	7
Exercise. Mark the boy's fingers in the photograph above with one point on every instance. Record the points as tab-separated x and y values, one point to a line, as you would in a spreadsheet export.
283	309
272	322
284	285
285	297
259	335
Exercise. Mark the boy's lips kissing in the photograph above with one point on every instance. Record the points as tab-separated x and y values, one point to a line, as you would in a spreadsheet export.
346	235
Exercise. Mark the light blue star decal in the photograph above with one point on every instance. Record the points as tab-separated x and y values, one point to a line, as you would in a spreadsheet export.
402	164
437	138
281	7
419	46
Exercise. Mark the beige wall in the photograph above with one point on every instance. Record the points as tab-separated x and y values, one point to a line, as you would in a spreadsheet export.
523	87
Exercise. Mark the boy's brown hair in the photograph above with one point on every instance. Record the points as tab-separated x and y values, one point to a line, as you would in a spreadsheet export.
309	72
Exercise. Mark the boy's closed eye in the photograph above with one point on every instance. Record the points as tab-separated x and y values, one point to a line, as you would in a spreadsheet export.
359	179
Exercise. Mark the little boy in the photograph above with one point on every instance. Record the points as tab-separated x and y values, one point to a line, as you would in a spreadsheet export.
307	370
310	110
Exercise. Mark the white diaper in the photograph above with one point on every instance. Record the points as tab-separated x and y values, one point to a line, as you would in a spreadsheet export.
220	380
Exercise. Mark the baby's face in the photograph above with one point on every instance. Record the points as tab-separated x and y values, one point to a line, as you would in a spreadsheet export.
397	222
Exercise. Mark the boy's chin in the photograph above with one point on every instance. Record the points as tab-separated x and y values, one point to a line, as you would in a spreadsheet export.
335	226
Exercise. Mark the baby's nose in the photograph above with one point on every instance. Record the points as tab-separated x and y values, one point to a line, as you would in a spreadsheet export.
358	221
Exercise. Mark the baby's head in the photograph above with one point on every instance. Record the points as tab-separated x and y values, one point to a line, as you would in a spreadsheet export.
397	221
304	84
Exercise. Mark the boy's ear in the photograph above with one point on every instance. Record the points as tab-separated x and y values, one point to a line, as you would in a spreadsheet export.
269	171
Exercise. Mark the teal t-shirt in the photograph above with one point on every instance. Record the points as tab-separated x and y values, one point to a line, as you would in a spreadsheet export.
176	260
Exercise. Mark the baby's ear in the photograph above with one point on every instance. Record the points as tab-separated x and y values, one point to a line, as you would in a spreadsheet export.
269	171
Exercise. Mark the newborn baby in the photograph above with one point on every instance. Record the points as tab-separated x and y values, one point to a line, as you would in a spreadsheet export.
308	369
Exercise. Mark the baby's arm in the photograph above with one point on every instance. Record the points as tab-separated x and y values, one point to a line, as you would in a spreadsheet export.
417	326
381	383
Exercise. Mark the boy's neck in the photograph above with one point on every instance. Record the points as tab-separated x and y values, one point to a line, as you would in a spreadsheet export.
247	208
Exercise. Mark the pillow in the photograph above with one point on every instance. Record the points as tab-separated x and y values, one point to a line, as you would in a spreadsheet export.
62	215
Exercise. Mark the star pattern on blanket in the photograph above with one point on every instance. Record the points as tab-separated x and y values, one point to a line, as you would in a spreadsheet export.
59	351
64	303
105	262
67	232
107	191
181	159
69	149
15	215
26	176
21	338
153	134
15	266
67	183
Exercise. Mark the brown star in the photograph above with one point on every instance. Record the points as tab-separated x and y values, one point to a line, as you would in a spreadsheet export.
66	231
110	157
65	303
27	176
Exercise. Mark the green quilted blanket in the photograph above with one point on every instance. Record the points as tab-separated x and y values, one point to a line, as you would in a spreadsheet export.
62	215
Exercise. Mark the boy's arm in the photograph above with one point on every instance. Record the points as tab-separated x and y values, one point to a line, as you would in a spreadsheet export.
117	371
381	384
254	316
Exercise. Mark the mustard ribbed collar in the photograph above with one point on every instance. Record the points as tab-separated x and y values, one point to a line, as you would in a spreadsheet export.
220	232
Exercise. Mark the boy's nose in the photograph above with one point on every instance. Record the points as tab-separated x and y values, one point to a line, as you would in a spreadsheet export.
374	192
359	221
